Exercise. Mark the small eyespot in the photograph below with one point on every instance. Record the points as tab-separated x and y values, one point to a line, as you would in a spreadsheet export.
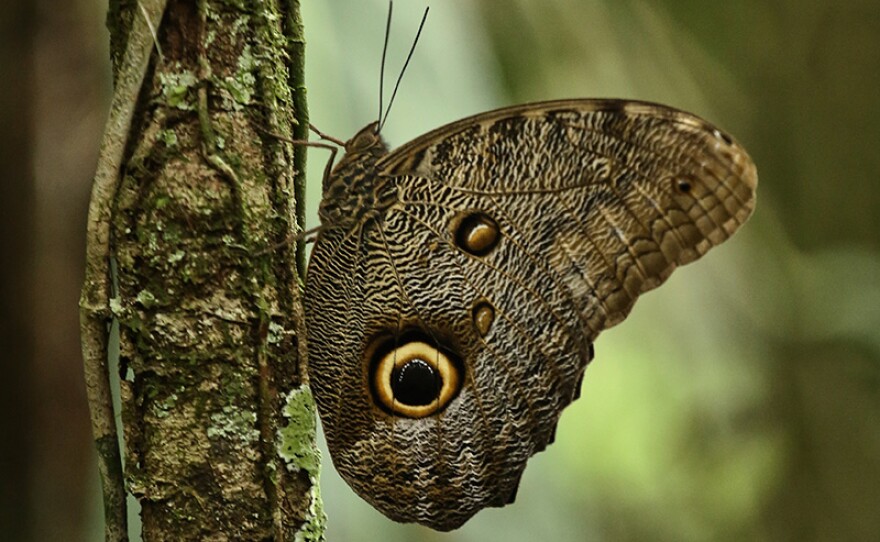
477	233
415	379
483	315
682	186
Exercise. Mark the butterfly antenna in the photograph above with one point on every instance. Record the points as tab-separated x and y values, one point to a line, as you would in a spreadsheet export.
405	64
384	52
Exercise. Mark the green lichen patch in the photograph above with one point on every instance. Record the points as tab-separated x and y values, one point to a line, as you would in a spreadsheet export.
169	138
116	307
176	88
163	408
146	299
277	333
233	423
296	440
241	87
296	446
312	530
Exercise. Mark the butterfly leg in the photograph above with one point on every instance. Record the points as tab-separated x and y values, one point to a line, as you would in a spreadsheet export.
326	137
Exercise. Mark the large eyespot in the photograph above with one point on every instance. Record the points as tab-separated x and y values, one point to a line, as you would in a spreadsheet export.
476	233
414	379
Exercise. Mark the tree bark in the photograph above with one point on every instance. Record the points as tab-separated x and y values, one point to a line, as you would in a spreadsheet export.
197	190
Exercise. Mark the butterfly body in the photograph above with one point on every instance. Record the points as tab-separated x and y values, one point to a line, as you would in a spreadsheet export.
459	281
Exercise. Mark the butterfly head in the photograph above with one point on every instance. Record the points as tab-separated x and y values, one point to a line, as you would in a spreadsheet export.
367	140
361	154
351	183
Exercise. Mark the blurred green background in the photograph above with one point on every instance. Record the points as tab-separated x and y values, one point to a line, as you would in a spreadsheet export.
741	401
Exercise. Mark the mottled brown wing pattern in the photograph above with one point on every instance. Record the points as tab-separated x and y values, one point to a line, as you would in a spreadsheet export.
491	253
626	190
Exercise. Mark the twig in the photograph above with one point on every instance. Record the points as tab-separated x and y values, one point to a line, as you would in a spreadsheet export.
95	314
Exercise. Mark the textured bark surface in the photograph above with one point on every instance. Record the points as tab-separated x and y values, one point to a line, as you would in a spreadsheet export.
219	430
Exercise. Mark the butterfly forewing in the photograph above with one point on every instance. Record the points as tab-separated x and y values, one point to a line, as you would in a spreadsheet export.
631	189
495	250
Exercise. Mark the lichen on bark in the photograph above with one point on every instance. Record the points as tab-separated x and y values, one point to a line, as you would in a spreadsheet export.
207	294
296	447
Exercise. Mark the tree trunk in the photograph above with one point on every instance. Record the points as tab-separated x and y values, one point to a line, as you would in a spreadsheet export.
197	194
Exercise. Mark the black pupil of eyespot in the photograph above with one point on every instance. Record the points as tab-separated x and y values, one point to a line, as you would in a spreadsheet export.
416	383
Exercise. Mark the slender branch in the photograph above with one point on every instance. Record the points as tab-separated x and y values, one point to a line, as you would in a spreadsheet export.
296	47
95	313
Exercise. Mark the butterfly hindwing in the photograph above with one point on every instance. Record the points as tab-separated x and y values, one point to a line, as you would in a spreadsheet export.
459	281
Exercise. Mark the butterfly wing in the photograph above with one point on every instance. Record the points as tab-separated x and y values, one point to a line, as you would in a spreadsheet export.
514	238
616	194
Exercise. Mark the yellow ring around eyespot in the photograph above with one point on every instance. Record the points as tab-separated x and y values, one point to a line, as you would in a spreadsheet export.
402	355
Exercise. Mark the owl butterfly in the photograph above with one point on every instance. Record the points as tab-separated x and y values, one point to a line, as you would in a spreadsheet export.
458	283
